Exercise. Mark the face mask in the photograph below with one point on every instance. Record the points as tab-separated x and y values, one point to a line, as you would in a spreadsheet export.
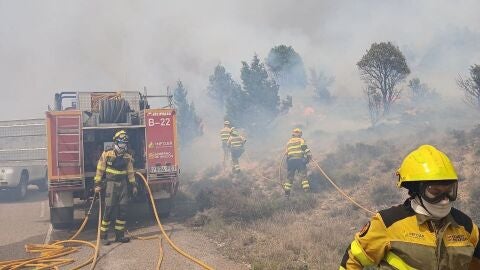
121	148
434	210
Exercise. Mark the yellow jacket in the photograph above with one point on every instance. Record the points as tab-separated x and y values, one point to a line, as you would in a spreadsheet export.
236	141
296	148
225	134
116	171
398	238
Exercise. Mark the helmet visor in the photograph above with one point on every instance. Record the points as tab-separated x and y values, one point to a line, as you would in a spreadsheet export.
435	192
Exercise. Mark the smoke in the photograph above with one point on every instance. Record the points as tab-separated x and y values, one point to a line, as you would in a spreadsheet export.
50	46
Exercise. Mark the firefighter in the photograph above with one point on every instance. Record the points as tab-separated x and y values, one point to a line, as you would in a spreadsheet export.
224	135
117	164
425	232
298	155
236	143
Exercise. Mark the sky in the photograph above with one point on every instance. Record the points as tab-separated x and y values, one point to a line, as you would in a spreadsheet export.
51	46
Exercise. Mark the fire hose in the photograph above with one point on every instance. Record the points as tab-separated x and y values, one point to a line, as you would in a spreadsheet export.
50	254
326	177
340	190
169	241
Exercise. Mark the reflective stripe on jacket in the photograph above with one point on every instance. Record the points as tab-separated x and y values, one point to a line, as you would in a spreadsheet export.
106	165
225	134
398	238
296	148
236	141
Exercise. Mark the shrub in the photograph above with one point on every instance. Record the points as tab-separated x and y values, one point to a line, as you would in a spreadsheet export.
385	194
235	205
459	136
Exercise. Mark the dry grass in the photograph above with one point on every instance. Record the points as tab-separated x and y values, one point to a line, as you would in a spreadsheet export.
251	221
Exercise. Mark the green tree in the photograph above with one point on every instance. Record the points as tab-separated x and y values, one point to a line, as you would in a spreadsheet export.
471	87
262	90
287	67
189	124
236	107
382	68
321	86
258	103
221	85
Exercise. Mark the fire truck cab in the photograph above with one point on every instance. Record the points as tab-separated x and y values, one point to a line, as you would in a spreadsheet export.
82	126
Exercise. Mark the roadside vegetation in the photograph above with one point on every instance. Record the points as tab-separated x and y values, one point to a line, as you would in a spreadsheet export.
250	220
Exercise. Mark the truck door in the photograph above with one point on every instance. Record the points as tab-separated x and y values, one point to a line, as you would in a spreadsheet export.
64	151
161	145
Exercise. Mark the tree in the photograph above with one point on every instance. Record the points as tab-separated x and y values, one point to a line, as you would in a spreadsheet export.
321	85
471	87
221	85
382	68
375	104
189	124
258	103
421	92
236	106
287	67
262	90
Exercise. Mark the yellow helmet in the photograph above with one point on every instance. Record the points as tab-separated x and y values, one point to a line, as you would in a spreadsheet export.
426	163
297	132
121	136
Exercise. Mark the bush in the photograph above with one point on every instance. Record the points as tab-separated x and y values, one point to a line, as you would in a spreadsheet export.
360	153
388	165
385	194
459	136
349	179
235	205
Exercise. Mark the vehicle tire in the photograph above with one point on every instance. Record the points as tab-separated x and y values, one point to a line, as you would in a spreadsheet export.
43	184
164	207
21	190
61	218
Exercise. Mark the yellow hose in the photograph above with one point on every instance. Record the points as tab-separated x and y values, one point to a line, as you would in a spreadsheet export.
324	174
181	252
340	190
50	253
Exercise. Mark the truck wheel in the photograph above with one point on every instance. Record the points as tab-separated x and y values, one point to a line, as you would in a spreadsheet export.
43	184
164	207
61	218
21	189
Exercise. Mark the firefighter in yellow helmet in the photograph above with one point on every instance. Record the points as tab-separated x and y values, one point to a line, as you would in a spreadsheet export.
117	165
224	136
236	144
425	232
298	155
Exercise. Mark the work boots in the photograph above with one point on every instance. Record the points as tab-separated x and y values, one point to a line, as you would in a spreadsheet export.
105	241
120	237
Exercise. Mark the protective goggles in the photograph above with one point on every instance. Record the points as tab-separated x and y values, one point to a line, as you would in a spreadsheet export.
436	191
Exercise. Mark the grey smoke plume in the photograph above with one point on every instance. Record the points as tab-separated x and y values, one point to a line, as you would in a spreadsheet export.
47	46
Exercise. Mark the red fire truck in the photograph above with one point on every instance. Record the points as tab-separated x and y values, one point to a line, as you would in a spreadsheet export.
81	127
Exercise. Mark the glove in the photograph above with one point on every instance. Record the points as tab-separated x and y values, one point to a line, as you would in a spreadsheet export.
134	191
